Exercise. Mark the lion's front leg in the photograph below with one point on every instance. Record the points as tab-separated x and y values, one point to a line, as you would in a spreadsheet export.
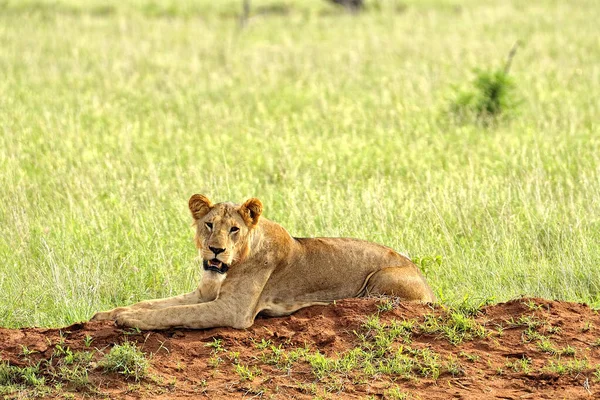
208	290
197	316
188	298
235	306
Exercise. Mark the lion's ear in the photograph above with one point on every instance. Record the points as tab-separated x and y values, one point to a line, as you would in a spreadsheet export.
199	205
251	211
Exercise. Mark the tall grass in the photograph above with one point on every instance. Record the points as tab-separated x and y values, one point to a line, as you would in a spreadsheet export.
112	115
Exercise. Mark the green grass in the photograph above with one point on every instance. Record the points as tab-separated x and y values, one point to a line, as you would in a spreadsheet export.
113	114
69	370
126	359
382	350
14	379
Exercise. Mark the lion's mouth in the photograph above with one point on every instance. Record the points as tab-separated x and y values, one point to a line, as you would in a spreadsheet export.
215	265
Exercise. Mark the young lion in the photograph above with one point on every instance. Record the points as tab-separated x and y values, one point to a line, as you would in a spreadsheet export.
252	265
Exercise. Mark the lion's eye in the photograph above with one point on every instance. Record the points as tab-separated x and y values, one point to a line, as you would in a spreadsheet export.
234	229
209	225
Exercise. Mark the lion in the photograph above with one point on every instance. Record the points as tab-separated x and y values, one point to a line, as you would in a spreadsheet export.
252	265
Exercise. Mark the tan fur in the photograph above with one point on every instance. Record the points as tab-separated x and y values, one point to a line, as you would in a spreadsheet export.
271	272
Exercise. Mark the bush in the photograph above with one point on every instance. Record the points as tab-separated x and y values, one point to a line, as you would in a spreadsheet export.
490	95
126	359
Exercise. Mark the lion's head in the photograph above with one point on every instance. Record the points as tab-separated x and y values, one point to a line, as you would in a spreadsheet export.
223	230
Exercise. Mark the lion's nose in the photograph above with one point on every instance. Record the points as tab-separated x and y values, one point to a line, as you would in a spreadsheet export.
216	250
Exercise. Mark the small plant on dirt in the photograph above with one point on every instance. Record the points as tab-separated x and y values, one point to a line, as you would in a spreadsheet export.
70	367
321	365
402	329
522	365
470	357
335	384
215	361
454	367
471	307
427	363
400	364
61	350
396	394
216	345
263	344
308	388
553	330
379	337
76	375
25	351
455	327
568	351
87	340
276	355
500	330
546	346
67	396
126	359
571	367
31	375
532	335
133	331
526	321
9	375
62	338
490	95
385	304
234	356
292	356
13	377
587	326
203	386
373	323
532	305
272	355
246	373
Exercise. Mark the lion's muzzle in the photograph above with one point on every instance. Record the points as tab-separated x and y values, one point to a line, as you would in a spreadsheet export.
215	265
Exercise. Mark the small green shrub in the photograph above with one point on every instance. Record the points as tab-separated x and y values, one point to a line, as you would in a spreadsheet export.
490	95
126	359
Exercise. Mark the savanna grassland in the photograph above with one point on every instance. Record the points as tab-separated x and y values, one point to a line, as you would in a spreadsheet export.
112	114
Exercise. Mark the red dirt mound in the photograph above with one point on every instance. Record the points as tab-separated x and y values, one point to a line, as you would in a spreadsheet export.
358	348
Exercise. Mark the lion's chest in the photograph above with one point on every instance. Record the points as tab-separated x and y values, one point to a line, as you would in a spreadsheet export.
210	285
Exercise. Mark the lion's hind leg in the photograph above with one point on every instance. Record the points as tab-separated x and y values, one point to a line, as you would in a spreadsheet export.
407	283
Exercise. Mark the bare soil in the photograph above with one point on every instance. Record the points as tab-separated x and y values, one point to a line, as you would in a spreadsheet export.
508	362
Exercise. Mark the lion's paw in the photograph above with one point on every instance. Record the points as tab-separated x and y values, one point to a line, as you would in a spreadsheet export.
132	319
102	316
110	315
